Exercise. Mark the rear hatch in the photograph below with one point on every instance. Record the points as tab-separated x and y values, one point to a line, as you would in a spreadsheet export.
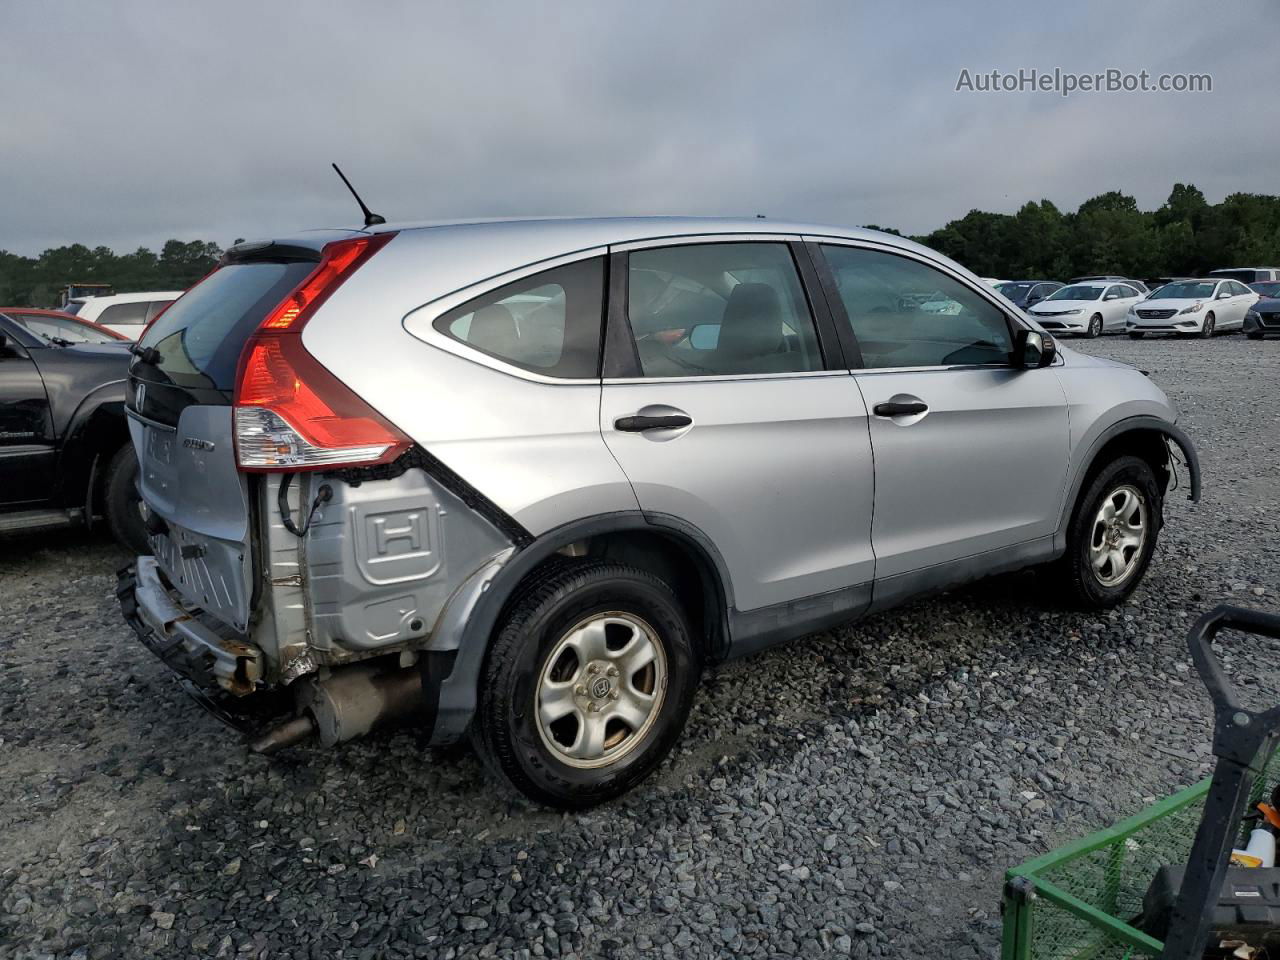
181	387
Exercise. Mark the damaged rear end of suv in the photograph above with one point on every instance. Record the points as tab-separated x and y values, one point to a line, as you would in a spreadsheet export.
300	565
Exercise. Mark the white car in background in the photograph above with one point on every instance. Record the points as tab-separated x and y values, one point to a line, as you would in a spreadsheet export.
1192	308
1086	309
125	313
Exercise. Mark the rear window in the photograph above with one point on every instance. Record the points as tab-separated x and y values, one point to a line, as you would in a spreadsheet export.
124	314
200	337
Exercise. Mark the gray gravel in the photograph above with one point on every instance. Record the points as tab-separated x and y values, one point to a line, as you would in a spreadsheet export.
859	793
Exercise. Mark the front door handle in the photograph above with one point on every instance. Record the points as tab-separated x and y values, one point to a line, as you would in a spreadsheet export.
907	409
638	424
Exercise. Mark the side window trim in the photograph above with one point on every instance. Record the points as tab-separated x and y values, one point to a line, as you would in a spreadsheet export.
985	292
621	359
420	321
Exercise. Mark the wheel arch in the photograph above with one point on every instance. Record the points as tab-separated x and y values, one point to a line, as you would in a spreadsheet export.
97	429
1147	437
664	545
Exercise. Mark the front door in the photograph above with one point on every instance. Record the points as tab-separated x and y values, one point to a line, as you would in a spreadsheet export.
731	422
970	452
26	432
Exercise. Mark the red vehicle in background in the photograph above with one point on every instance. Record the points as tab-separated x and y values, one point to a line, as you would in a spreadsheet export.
49	324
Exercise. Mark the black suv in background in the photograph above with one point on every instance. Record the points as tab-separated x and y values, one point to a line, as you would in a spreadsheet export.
65	455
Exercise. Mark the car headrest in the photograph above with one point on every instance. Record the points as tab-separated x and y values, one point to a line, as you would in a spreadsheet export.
752	323
493	329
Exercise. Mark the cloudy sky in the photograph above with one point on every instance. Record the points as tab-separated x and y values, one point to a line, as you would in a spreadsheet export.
127	123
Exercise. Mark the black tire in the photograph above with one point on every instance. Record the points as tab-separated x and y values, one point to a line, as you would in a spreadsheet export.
1135	335
1254	335
121	501
1095	327
506	730
1206	332
1073	576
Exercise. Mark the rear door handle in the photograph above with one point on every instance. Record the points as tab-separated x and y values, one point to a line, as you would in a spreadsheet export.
638	424
906	409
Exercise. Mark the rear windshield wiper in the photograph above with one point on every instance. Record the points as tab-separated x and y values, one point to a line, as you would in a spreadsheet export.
148	355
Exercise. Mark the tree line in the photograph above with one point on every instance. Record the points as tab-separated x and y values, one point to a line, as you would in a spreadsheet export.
1108	234
36	281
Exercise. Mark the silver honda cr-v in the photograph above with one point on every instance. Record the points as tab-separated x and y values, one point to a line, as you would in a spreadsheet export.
525	479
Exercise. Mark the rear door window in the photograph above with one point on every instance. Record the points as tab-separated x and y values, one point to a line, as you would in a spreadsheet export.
548	323
720	309
200	337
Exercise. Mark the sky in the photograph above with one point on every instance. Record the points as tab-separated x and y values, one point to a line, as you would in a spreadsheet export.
127	123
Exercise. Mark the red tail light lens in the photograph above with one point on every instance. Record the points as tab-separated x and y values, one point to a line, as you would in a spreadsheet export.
290	412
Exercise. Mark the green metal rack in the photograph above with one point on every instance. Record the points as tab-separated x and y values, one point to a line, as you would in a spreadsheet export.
1083	901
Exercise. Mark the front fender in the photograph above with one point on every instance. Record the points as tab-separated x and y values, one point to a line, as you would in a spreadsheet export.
1104	435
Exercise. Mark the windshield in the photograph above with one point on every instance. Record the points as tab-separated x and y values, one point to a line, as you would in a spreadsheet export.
1187	290
1078	291
1014	291
1269	288
63	329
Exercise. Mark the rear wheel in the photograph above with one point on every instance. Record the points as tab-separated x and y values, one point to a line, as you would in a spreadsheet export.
1095	327
588	684
122	503
1112	535
1207	330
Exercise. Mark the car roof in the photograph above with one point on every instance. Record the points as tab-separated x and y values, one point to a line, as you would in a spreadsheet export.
1234	269
572	233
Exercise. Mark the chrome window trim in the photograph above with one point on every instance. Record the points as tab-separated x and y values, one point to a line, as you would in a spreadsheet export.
420	321
730	377
679	240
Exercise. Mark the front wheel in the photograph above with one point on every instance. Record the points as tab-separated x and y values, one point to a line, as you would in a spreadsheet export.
1254	335
1135	334
1207	330
1095	327
1112	536
588	684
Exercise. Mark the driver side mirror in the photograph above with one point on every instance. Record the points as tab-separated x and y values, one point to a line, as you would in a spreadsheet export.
1034	298
1225	295
1033	349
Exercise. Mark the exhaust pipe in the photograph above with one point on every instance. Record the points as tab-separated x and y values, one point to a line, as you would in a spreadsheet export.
347	704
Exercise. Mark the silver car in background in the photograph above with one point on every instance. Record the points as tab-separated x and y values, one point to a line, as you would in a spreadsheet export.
524	479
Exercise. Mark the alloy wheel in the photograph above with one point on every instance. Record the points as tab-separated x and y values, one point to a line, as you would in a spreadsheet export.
1118	536
601	689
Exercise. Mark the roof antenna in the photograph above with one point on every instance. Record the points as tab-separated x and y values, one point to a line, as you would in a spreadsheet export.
370	218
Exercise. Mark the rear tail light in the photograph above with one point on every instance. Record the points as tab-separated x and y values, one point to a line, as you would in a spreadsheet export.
290	412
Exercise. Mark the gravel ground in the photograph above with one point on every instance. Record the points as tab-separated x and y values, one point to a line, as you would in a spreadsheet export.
859	793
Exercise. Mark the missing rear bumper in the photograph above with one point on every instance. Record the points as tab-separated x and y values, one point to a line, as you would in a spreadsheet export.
192	649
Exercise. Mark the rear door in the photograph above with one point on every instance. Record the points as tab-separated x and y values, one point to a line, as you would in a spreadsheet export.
27	452
719	407
970	451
